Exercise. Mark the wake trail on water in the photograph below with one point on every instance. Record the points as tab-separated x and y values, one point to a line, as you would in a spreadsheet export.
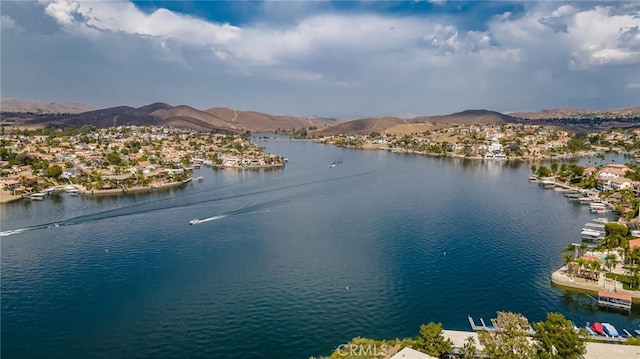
138	209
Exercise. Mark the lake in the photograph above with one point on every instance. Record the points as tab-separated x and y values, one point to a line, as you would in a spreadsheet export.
289	263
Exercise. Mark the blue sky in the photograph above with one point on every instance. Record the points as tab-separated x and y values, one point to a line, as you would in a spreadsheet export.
342	59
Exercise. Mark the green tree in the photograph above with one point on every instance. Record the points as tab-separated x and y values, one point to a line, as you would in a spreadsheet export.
511	341
544	171
431	340
469	349
556	338
612	261
54	171
113	158
533	169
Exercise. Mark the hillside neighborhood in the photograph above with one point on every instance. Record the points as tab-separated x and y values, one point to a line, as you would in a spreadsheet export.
122	158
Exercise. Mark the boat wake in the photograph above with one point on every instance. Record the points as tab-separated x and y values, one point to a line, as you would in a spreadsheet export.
33	228
170	204
208	219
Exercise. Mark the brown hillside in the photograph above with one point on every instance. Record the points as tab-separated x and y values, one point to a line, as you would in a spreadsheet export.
18	105
568	112
262	122
470	117
361	126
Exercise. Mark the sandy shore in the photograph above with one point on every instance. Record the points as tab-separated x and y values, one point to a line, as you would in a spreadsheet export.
6	197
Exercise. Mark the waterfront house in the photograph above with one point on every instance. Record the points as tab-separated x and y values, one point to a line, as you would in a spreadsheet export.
10	184
408	353
618	183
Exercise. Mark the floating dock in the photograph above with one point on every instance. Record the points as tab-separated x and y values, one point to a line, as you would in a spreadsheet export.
481	327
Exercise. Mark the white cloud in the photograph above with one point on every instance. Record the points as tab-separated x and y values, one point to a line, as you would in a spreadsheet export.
89	17
418	63
7	23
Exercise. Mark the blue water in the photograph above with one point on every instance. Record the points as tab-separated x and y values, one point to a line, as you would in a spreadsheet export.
414	239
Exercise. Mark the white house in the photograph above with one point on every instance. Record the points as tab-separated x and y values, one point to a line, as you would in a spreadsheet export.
408	353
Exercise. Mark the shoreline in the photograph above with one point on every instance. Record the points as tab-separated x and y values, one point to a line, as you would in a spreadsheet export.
607	284
115	191
6	197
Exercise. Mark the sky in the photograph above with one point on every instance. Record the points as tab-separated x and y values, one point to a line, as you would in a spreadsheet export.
341	59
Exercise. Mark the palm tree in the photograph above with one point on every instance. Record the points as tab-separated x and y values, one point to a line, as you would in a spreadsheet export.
612	261
567	258
583	248
581	265
569	250
635	279
594	268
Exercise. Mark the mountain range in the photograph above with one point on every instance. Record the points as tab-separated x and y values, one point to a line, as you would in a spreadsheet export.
17	105
22	113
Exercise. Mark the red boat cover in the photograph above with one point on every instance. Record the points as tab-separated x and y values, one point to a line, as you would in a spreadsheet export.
597	327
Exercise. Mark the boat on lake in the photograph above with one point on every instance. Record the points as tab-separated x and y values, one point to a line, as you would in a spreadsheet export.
610	330
597	328
591	235
547	184
594	227
194	221
38	196
597	207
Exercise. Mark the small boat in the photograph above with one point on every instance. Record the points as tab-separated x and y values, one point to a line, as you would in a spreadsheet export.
597	327
72	191
39	196
610	330
591	235
533	179
595	226
547	184
200	178
194	221
588	200
600	220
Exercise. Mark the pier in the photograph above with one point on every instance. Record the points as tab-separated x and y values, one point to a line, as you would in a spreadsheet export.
477	328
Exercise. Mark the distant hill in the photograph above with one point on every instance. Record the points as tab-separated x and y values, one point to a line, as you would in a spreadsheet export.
368	125
259	121
470	117
162	114
221	119
568	112
18	105
361	126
